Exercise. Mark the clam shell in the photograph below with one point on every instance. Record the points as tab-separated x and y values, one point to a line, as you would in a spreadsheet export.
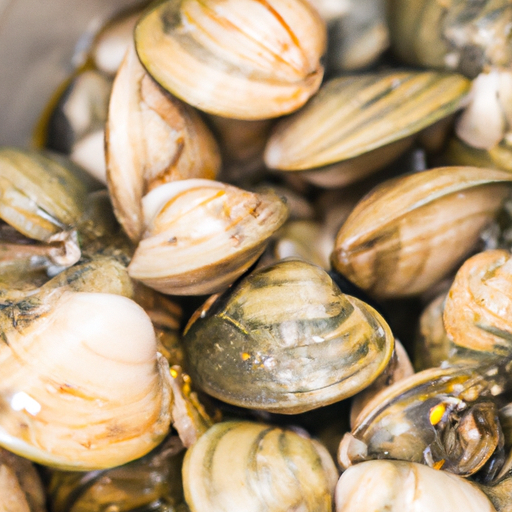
151	139
479	304
39	197
398	423
351	116
398	486
201	235
286	340
409	232
241	59
83	386
253	467
455	35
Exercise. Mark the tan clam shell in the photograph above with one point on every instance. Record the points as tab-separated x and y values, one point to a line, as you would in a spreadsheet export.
83	386
151	139
242	59
254	467
398	486
201	235
351	116
455	35
39	196
479	304
409	232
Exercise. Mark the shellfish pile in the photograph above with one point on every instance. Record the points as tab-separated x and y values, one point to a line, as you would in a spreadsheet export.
259	259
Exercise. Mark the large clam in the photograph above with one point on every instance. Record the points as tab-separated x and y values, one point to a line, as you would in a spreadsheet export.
285	339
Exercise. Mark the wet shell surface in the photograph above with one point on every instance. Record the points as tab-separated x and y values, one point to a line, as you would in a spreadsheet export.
478	309
408	233
286	340
242	59
394	486
83	386
151	138
351	116
439	417
255	467
201	235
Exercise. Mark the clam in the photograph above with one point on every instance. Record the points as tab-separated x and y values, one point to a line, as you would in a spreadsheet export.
43	200
76	124
255	467
444	418
356	125
499	494
397	486
242	59
151	139
200	235
285	339
479	304
410	232
457	35
152	483
21	489
83	386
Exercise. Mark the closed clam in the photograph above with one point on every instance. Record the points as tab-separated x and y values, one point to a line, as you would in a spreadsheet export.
285	339
458	35
42	199
83	386
242	59
356	125
151	139
409	232
479	304
394	486
256	467
444	418
200	235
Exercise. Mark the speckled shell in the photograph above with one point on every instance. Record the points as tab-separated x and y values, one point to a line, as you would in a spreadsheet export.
286	340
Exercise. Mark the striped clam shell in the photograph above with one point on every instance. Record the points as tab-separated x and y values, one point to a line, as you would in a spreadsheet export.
409	232
254	467
202	234
286	340
352	116
455	35
243	59
478	309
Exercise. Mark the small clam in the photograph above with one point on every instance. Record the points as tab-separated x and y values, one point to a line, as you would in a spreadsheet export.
151	139
285	339
82	386
201	235
370	116
151	484
242	59
499	494
256	467
21	489
444	418
409	232
393	486
456	34
478	309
